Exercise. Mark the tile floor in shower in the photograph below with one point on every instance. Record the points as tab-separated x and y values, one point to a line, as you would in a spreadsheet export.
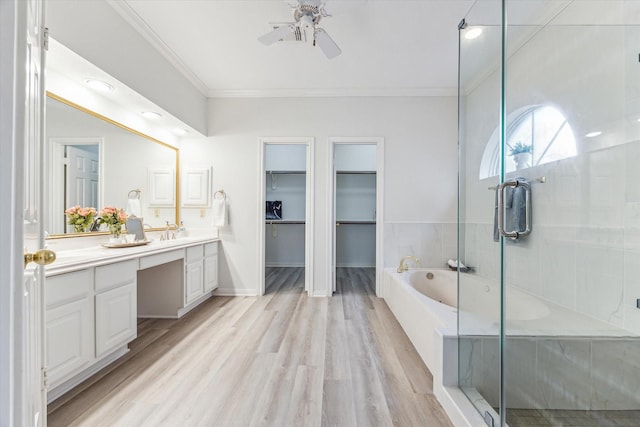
559	417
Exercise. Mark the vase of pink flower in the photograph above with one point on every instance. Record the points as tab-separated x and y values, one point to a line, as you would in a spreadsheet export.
113	218
80	218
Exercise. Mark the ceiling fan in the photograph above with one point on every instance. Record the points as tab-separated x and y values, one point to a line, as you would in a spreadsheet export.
307	14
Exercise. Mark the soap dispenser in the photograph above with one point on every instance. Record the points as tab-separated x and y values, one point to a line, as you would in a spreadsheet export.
182	230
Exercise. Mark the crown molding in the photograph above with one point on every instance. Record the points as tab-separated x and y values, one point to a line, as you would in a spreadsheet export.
333	93
141	26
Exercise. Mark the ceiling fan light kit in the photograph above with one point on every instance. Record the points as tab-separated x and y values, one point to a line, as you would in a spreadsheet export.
307	14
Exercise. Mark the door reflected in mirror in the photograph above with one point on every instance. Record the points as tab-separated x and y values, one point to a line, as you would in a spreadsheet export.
95	162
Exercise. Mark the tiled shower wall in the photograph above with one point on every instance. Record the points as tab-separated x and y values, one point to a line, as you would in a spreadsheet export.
584	251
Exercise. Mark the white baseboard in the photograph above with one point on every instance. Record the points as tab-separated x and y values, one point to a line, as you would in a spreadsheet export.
230	292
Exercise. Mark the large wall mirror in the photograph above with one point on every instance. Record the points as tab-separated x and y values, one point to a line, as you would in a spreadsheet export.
94	161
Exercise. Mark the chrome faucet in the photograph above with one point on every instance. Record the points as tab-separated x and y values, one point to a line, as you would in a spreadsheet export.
403	265
166	235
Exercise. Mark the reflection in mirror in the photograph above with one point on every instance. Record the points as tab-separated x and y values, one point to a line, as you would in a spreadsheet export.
94	162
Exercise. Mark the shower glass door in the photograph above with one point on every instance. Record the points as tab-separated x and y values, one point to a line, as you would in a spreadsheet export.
551	97
479	296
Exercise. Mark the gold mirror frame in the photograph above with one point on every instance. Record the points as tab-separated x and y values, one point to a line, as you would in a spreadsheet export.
135	132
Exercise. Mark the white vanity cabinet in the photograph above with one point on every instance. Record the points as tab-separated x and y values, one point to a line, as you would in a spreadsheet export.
115	305
69	324
92	305
210	267
194	274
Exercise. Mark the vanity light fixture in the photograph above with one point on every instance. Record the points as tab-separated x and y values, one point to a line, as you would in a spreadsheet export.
151	115
593	134
473	33
99	85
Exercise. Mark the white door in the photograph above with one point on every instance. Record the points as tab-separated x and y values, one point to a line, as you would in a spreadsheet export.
22	393
82	176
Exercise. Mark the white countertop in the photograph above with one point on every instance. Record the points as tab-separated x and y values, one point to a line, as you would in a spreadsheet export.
92	256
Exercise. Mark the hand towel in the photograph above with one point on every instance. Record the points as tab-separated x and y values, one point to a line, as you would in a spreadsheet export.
133	208
219	212
496	233
515	212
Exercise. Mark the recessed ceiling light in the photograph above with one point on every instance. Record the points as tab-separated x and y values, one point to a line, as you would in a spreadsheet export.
151	115
180	131
593	134
473	33
99	85
639	119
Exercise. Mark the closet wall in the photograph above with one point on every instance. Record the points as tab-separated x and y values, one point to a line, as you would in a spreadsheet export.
285	181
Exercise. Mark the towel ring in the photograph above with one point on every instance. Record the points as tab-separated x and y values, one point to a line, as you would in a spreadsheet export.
222	193
135	193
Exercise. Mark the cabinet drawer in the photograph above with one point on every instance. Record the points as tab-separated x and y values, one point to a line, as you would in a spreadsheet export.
211	249
194	253
68	287
163	258
114	275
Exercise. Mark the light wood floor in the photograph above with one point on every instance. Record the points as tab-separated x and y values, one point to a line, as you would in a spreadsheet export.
283	359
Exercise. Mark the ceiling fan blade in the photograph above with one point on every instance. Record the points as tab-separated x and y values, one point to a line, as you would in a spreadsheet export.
326	43
277	34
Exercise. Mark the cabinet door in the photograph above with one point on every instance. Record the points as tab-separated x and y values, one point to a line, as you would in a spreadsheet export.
70	339
116	322
210	273
194	278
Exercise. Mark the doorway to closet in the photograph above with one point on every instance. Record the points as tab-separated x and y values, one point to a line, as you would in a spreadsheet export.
356	209
286	218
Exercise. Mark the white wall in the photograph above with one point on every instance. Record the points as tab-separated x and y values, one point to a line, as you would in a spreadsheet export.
420	170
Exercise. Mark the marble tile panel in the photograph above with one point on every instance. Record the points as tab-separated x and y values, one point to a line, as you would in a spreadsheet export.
520	373
600	283
632	172
489	385
431	241
616	374
558	266
563	373
632	226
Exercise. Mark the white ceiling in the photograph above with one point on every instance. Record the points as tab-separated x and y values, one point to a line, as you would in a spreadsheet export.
389	47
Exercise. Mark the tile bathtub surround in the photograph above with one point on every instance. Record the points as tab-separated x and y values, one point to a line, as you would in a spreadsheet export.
432	243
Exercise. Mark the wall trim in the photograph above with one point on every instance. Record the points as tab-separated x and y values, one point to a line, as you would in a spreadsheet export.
333	93
231	292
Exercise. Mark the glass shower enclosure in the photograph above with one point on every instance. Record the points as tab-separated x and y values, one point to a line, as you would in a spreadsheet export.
549	212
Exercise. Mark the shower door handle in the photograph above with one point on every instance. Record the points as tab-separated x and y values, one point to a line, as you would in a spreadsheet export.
514	234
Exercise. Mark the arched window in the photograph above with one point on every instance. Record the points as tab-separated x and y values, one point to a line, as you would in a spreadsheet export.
542	131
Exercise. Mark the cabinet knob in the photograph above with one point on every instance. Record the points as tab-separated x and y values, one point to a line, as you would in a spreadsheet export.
41	257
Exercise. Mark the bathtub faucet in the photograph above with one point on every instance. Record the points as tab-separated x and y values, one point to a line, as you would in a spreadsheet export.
403	265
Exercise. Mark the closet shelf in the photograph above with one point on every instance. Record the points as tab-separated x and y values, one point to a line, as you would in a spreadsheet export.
284	221
355	172
285	172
